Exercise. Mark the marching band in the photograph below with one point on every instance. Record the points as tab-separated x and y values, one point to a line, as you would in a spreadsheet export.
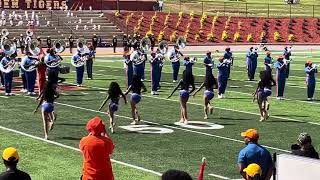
36	64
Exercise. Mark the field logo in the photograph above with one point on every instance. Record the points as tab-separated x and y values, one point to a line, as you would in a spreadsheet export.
199	125
146	129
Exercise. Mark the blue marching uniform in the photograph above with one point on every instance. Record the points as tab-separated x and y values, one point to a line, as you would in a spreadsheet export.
52	72
7	76
79	70
208	62
252	58
155	73
89	63
175	64
287	54
311	81
128	69
188	64
30	76
267	63
138	68
223	69
228	55
281	75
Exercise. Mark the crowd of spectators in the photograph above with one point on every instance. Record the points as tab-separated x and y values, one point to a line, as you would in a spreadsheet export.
254	161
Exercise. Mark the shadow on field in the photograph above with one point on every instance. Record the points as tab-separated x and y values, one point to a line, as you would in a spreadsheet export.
69	124
70	138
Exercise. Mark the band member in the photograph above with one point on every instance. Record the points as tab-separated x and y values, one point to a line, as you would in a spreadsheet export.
208	63
262	93
31	76
155	72
95	41
80	69
228	55
268	62
71	41
184	84
114	93
281	75
24	80
209	83
89	62
52	72
310	70
174	57
130	42
252	58
223	69
22	43
286	54
135	87
128	67
1	79
41	71
124	41
7	61
49	43
162	59
114	43
137	58
46	100
152	41
188	63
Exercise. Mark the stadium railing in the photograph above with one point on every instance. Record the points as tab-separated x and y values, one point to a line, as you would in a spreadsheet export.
236	8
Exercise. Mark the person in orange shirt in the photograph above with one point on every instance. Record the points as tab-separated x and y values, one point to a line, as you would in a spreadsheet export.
41	71
96	149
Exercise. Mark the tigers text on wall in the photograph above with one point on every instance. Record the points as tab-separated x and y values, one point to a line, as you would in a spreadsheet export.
32	4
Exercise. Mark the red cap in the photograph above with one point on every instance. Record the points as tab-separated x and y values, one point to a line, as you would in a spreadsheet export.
96	126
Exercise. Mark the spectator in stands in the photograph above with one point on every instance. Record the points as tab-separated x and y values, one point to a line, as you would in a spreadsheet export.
304	147
96	149
49	43
10	158
175	175
114	43
253	172
153	42
160	5
94	41
71	40
254	153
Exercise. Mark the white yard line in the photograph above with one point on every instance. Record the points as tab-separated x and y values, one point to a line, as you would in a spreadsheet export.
76	149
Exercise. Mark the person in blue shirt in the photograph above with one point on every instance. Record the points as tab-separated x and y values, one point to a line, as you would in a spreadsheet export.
80	69
254	153
223	70
128	67
6	61
287	54
89	61
52	72
30	76
228	55
155	72
311	71
208	63
268	62
184	84
135	87
262	93
174	57
252	58
209	83
281	75
114	93
138	57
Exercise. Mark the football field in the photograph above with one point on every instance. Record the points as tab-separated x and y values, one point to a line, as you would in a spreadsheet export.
158	143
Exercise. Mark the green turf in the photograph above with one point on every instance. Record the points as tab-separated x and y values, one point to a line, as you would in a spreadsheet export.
249	8
182	149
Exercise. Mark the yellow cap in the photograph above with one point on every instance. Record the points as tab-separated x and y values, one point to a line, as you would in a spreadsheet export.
10	154
250	133
252	170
